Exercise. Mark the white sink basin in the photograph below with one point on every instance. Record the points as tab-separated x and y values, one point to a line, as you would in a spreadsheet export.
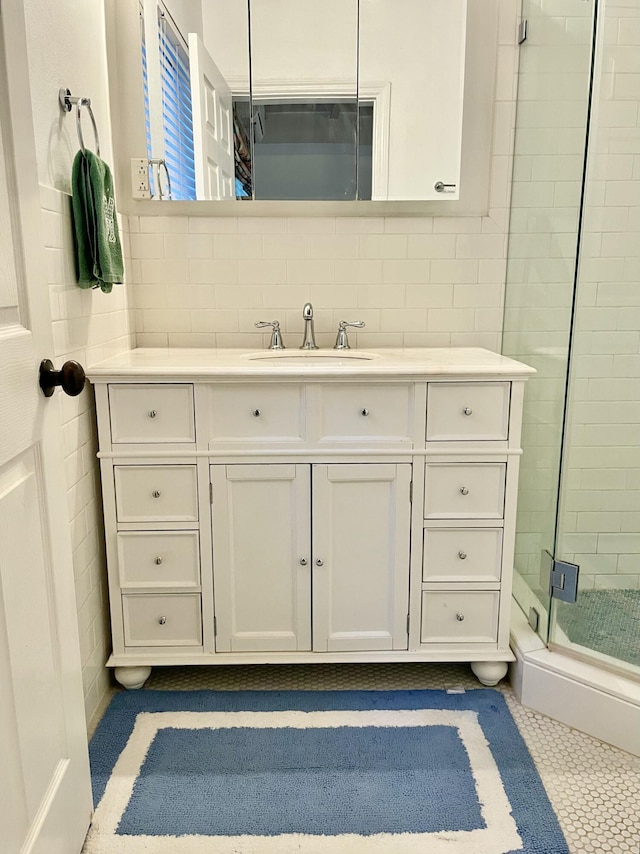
311	357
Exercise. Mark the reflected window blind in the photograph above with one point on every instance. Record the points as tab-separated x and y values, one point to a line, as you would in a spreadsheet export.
176	111
145	87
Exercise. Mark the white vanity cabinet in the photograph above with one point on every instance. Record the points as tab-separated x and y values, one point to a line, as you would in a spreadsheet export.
257	512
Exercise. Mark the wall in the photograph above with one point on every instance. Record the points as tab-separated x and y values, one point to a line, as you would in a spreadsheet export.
416	281
600	522
66	48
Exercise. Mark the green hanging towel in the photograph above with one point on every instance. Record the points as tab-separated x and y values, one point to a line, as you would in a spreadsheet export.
98	251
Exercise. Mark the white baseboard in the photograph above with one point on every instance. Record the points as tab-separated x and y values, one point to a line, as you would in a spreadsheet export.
581	695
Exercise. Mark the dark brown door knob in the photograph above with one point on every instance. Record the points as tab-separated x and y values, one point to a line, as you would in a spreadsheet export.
70	377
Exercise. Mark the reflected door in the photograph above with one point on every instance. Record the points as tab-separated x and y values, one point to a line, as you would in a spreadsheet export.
212	106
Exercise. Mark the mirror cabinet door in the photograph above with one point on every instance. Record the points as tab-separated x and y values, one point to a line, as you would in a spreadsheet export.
411	74
304	71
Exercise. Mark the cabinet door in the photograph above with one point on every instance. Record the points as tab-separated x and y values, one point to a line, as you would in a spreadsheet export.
261	557
361	522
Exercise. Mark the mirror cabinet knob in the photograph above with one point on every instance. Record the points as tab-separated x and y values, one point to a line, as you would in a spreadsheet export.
459	617
462	555
464	490
467	410
156	493
162	620
152	413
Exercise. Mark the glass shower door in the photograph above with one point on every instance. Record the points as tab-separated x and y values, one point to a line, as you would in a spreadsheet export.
550	148
599	512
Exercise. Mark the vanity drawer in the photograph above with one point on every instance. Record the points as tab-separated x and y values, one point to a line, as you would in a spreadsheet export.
464	490
462	554
162	620
465	617
151	413
242	414
467	411
159	558
156	493
365	412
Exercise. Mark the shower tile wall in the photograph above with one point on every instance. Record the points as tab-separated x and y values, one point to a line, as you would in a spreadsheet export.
548	163
600	522
87	326
431	281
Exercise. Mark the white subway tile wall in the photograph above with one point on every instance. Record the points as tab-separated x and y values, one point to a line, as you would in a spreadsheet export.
600	517
88	326
424	281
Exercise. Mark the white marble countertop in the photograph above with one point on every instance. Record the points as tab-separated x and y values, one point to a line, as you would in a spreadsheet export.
411	363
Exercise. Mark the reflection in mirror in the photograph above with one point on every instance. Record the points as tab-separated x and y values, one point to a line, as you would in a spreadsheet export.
304	72
302	100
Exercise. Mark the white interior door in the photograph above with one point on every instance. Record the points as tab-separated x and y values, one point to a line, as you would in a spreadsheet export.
45	796
212	109
361	521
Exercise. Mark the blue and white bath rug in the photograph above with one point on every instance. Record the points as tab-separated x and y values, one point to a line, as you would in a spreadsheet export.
316	772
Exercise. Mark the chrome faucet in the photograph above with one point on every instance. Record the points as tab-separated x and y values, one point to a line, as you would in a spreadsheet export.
309	341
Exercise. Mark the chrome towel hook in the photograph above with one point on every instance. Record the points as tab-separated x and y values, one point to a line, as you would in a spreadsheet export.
67	100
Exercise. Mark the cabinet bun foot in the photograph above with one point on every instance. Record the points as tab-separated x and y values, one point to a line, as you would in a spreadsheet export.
132	677
490	672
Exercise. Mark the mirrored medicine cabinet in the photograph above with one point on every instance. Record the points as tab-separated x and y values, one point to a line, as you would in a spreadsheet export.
295	100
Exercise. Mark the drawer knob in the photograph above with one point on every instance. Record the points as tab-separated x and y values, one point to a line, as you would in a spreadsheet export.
156	493
162	620
319	562
152	413
467	410
158	560
303	561
464	490
256	413
462	555
364	412
459	617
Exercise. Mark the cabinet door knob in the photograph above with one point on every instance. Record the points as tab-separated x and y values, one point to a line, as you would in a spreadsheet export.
303	561
156	493
467	410
162	620
319	562
158	560
464	490
462	555
152	413
256	413
364	412
459	617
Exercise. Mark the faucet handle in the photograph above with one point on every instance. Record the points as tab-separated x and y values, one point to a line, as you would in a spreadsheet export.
276	342
342	342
